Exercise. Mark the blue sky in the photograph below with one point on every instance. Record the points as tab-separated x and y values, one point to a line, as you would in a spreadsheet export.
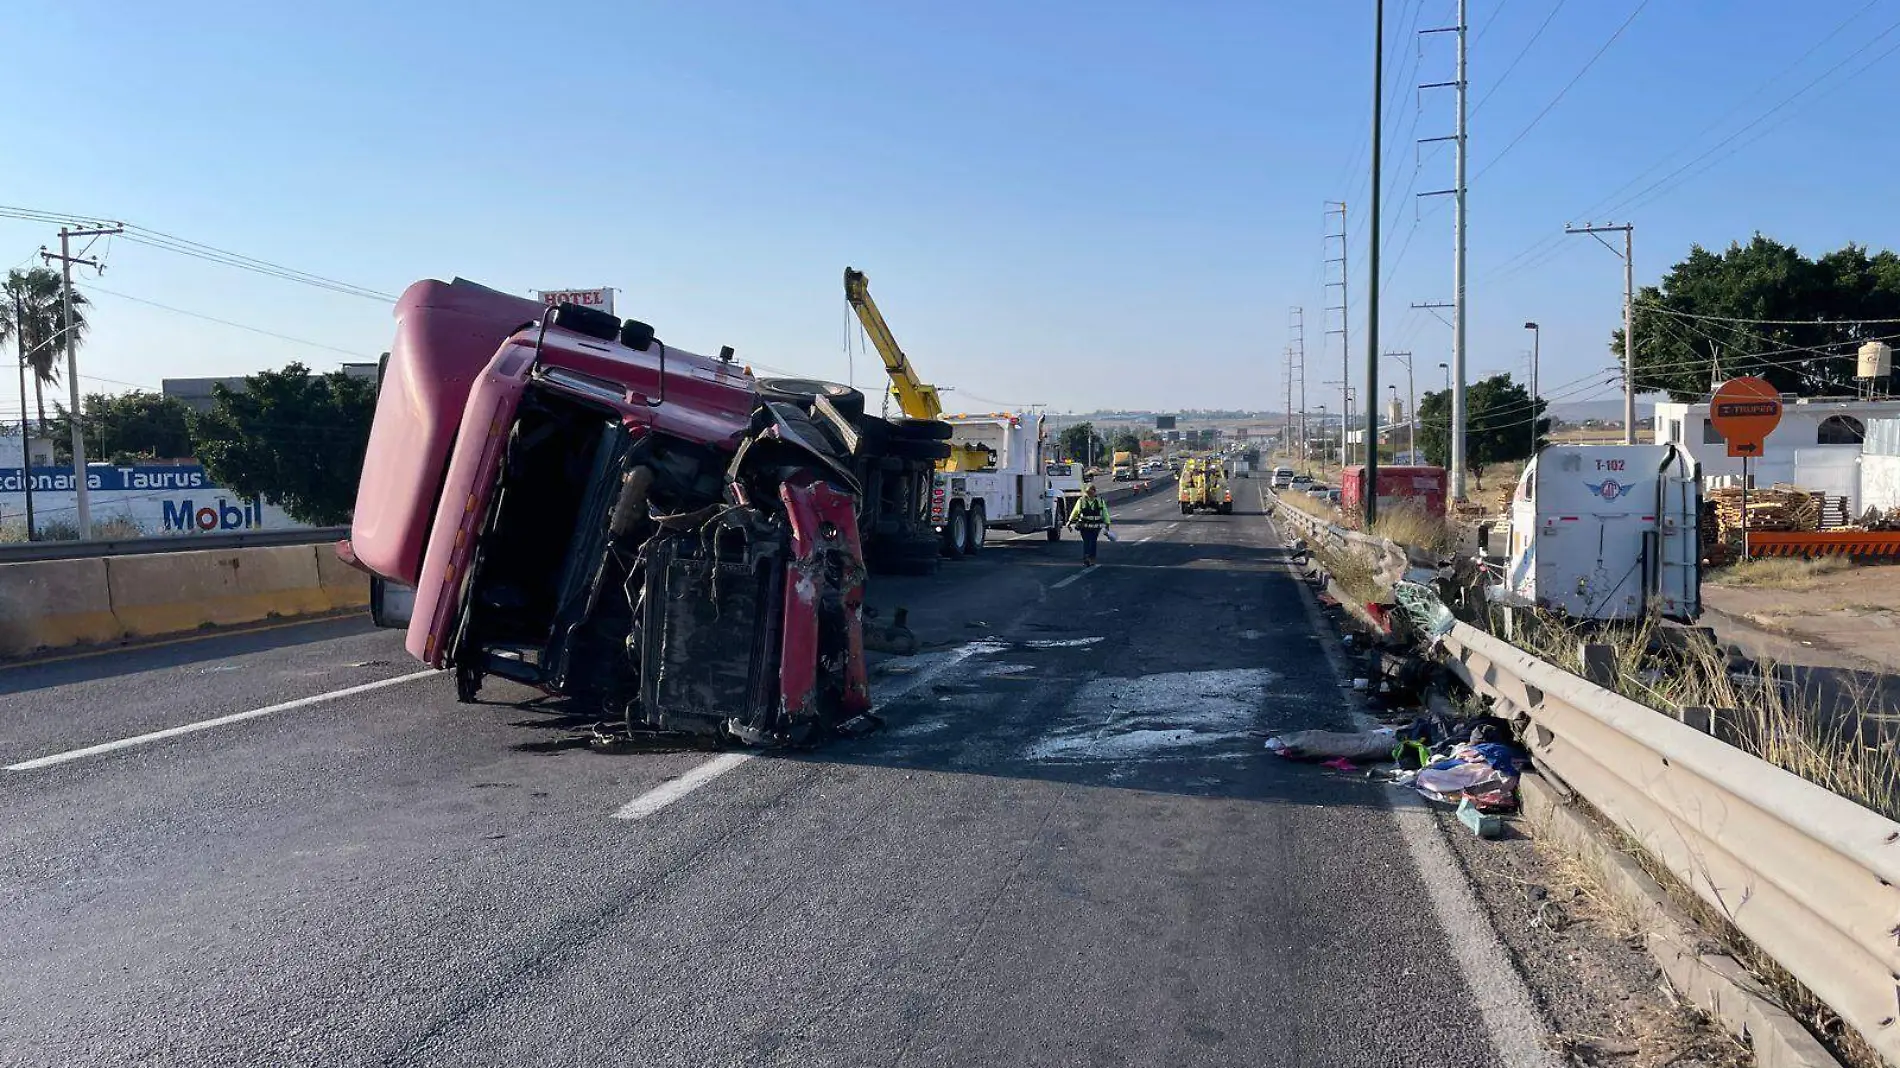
1081	205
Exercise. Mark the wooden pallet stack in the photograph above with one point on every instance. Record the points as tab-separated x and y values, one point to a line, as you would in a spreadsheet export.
1778	507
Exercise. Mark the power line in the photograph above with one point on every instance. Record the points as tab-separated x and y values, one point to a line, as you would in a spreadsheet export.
1762	322
1543	244
1664	184
1554	101
1519	58
89	287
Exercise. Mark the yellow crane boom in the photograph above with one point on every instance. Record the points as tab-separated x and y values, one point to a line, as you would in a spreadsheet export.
917	398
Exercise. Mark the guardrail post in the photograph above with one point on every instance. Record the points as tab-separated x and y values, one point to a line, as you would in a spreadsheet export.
1701	717
1599	663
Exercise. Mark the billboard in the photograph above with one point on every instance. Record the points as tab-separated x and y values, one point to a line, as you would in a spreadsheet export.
1164	422
602	298
155	498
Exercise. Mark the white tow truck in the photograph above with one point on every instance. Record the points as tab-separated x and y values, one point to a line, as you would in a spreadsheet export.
1606	532
996	481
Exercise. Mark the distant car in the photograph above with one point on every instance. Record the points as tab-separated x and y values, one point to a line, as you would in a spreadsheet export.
1318	492
1301	481
1282	478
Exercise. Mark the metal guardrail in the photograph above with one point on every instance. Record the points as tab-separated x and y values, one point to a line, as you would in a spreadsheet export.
1811	877
22	552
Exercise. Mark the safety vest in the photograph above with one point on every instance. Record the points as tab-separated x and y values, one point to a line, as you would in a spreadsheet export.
1091	514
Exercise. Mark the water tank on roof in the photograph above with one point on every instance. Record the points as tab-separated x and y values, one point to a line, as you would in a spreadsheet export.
1876	360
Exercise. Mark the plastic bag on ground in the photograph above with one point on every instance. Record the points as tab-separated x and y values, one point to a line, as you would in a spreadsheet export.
1323	745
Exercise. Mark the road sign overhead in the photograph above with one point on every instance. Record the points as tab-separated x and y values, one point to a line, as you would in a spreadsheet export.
1745	411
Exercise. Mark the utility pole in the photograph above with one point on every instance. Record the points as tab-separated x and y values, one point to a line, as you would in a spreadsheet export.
66	260
1371	494
1629	316
26	439
1296	325
1411	403
1537	348
1344	308
1461	142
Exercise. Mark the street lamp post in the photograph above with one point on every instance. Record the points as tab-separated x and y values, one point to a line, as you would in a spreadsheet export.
1324	453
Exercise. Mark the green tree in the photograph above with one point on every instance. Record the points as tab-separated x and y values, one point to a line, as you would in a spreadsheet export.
292	436
1687	336
1126	441
1498	418
32	316
126	428
1079	442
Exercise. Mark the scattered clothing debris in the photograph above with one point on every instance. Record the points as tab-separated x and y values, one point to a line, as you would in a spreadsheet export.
1339	764
1321	745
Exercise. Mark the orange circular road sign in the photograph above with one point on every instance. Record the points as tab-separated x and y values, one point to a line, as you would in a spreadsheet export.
1745	411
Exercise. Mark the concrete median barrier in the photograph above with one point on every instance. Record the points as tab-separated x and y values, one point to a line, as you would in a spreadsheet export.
55	603
52	604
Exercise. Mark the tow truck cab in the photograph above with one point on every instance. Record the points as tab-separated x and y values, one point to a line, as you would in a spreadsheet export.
588	510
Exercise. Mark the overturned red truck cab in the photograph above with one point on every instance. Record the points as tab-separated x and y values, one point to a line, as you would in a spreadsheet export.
588	510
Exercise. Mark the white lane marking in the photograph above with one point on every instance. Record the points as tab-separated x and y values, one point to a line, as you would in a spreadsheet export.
207	724
1504	1003
1077	577
674	789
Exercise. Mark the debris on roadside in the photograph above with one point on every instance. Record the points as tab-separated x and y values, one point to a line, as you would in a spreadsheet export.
1323	745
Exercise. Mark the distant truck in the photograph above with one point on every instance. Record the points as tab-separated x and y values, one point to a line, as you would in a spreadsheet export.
1606	532
1065	491
1124	467
1421	488
1203	488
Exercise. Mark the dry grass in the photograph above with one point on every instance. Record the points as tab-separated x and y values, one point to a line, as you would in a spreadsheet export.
1779	572
1773	722
1412	525
1317	509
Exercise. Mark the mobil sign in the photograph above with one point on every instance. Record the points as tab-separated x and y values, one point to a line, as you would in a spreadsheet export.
601	298
155	498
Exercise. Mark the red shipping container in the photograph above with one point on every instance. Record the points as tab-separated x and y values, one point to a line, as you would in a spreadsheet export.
1422	488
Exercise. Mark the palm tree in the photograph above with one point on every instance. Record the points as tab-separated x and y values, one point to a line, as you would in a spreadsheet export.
31	314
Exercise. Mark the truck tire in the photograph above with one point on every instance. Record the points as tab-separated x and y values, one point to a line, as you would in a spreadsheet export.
979	530
916	449
955	533
1227	508
1186	508
802	391
921	429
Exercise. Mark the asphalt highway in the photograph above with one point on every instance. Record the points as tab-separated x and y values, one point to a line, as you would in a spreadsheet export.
1067	847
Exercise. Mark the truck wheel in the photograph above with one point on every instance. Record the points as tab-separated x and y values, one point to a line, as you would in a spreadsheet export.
921	429
1186	508
916	449
1227	508
954	531
979	529
802	391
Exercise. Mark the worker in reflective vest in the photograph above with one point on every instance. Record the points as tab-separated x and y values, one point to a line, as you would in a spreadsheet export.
1089	519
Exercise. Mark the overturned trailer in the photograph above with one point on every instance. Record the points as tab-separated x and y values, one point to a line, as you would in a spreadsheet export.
585	509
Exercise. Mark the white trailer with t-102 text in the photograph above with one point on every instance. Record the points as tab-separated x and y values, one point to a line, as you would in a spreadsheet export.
1606	532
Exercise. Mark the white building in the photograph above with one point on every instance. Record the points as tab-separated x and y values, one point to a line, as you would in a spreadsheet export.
1817	444
42	449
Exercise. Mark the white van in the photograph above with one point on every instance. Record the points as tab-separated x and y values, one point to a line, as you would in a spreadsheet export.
1282	477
